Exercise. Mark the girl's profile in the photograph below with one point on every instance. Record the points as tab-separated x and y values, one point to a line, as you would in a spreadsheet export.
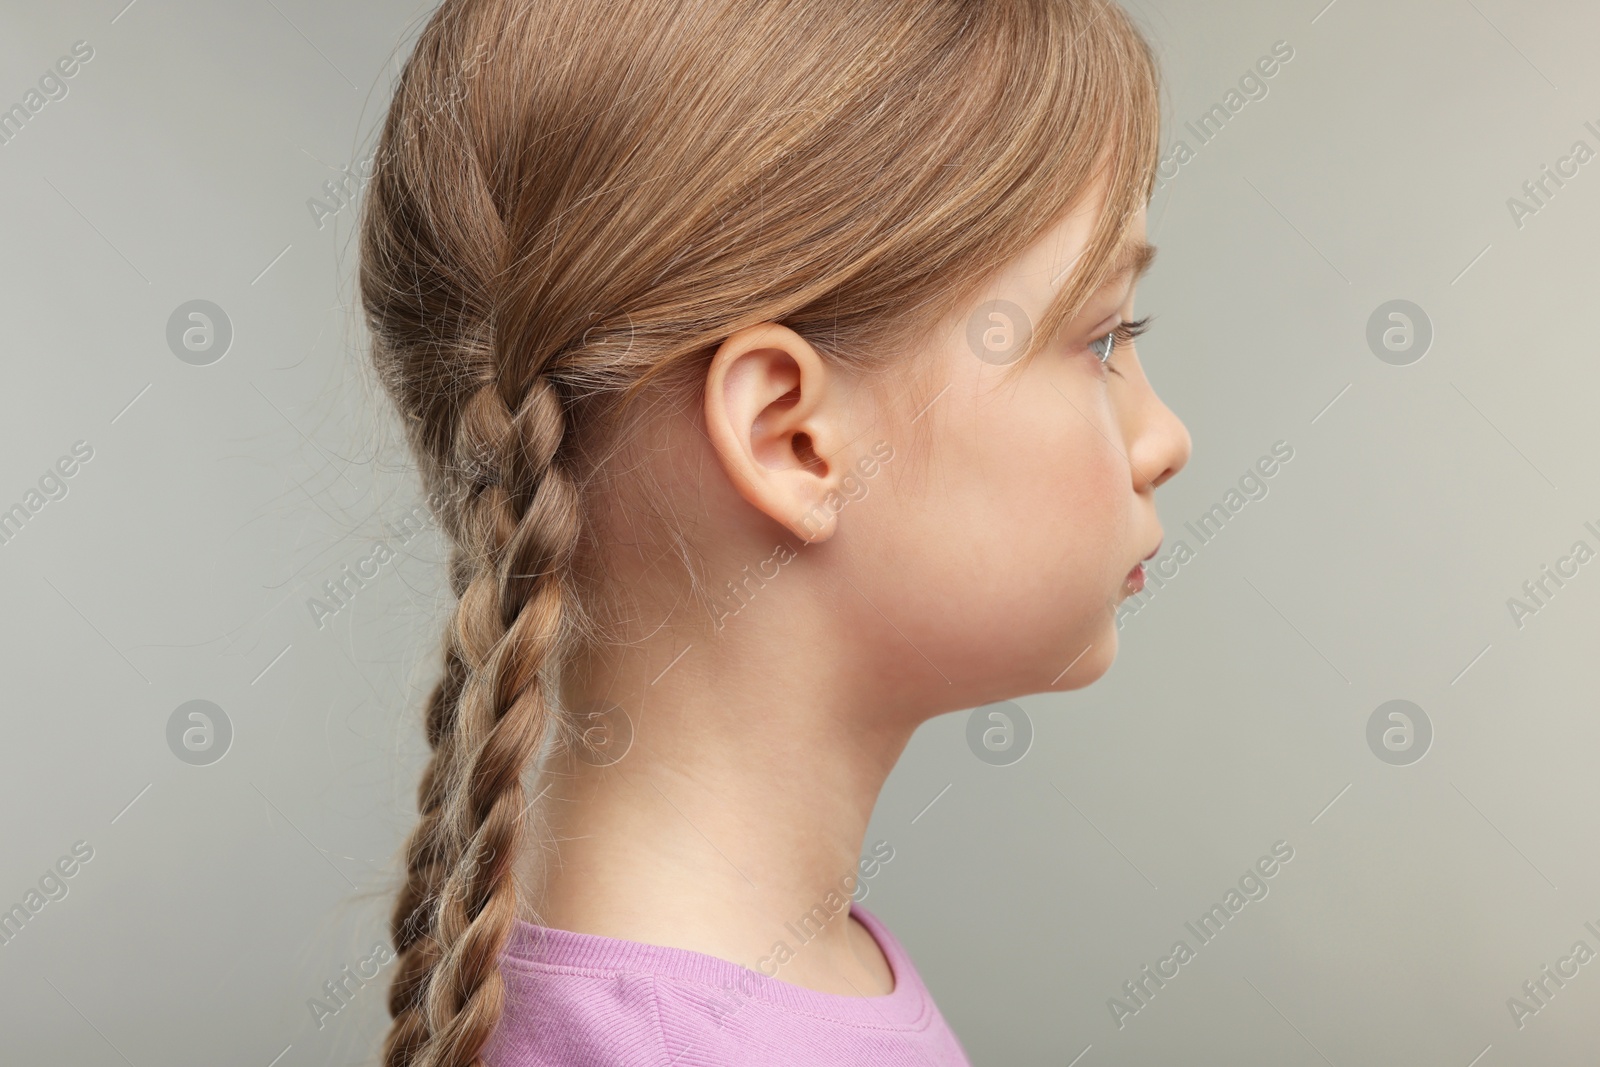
772	367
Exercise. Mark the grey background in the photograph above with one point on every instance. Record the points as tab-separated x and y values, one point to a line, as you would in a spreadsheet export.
219	498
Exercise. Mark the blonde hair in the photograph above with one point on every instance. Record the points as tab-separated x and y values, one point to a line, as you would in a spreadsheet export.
572	204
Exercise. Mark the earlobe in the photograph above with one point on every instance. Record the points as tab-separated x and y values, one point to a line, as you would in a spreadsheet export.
773	414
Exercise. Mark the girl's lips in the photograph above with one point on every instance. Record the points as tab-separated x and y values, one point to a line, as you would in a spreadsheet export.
1135	578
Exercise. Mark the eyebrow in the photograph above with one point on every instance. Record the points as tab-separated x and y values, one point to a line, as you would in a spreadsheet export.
1135	259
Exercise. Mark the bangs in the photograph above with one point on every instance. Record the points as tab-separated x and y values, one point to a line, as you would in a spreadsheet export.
1114	76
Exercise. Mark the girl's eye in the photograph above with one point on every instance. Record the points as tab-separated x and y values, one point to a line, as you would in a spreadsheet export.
1125	333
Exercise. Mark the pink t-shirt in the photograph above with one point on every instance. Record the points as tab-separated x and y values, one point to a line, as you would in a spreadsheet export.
582	1000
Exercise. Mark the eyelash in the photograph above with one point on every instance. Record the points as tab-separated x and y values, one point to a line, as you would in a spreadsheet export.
1123	334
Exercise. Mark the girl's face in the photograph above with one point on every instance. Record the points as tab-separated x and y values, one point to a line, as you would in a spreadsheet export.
1000	550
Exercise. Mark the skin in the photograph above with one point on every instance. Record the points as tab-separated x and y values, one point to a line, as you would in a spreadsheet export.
985	561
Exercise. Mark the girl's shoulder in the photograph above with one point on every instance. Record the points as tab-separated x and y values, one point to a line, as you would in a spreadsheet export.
583	999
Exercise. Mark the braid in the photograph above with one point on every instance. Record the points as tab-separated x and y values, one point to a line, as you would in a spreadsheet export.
507	626
411	924
487	720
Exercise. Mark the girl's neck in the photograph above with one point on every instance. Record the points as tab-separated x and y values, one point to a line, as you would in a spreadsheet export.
739	807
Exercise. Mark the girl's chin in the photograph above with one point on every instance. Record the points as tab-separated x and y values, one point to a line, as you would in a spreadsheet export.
1088	664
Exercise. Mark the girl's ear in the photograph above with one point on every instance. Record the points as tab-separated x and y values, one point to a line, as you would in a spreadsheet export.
776	412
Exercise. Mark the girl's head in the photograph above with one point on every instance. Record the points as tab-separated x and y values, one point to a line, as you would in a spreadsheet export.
765	328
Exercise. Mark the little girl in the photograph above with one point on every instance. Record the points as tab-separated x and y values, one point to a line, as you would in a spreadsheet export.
771	363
